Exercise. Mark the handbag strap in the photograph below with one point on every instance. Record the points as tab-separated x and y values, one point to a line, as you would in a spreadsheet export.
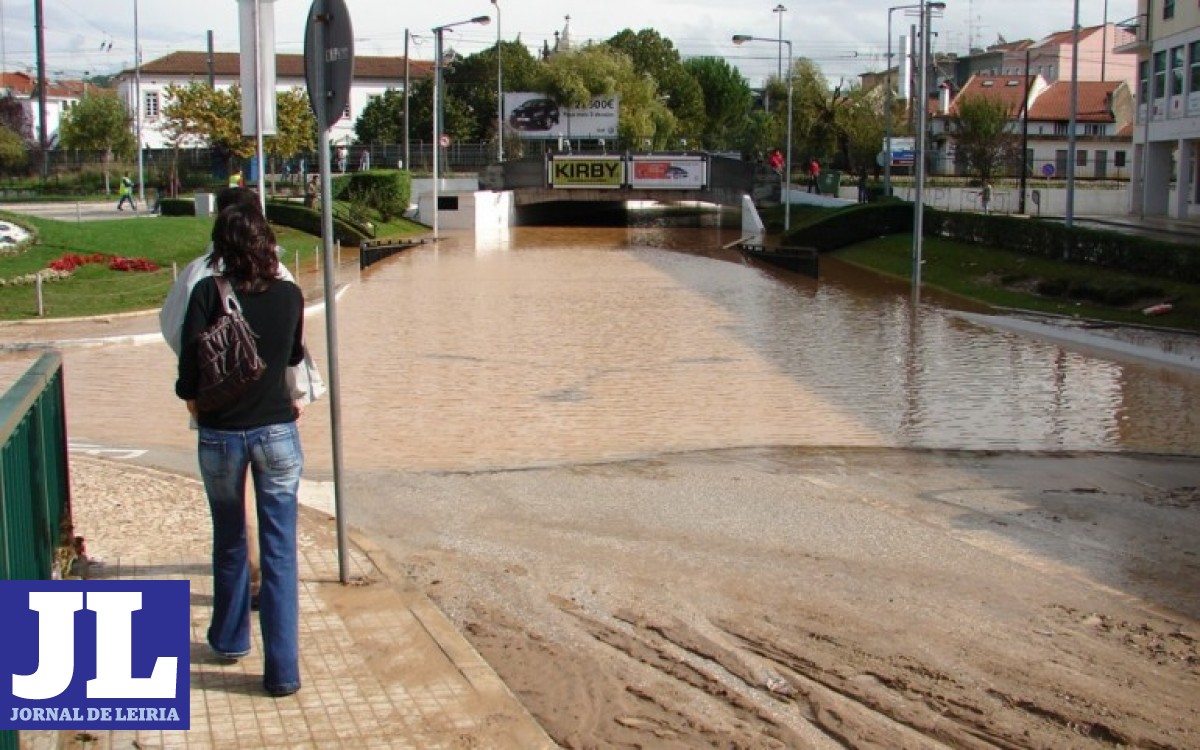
229	298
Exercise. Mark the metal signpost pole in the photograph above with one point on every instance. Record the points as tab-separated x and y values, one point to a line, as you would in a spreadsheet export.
919	160
329	67
499	88
437	129
1071	137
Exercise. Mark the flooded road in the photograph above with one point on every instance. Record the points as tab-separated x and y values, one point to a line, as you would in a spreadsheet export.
544	346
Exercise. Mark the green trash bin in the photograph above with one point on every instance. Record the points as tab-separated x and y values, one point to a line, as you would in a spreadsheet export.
829	181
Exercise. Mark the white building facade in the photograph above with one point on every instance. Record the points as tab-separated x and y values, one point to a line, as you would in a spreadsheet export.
1166	136
372	77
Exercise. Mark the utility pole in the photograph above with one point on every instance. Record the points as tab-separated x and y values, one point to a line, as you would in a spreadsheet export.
407	79
1071	138
39	21
1024	136
212	71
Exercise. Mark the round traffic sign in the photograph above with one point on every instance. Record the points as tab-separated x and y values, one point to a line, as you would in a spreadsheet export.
1047	170
328	59
444	140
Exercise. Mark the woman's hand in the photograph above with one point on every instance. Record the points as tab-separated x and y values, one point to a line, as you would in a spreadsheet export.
191	407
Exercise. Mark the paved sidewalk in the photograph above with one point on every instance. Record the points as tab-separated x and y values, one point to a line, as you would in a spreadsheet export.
381	666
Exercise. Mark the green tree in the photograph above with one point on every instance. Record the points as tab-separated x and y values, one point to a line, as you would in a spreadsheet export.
727	101
100	122
295	125
655	56
382	120
815	126
14	157
860	128
574	78
14	117
981	135
198	115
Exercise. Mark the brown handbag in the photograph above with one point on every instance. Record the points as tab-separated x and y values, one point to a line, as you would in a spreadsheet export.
227	355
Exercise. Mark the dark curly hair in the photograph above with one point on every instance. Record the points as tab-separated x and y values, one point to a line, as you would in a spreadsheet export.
244	248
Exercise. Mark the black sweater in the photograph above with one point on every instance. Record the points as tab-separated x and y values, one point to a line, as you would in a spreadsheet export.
277	317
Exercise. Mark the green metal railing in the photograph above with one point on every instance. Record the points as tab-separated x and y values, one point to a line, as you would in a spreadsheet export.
35	502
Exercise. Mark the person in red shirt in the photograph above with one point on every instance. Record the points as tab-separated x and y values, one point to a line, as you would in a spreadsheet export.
814	174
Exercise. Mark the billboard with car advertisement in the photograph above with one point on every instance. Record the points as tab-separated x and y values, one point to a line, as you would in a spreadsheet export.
597	172
539	116
681	172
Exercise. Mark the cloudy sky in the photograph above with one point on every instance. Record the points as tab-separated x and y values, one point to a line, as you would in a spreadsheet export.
845	37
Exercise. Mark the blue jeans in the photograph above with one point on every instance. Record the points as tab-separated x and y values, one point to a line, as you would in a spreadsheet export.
275	459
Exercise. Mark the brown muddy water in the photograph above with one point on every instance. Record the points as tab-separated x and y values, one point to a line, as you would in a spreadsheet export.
539	346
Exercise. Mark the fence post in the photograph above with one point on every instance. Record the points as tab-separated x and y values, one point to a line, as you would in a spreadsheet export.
41	302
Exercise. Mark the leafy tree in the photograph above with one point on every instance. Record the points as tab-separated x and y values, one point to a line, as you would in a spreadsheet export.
727	101
815	125
382	120
574	78
13	155
655	56
14	117
198	115
100	122
295	125
860	128
981	135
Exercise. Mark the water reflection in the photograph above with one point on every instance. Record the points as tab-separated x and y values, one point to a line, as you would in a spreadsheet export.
544	345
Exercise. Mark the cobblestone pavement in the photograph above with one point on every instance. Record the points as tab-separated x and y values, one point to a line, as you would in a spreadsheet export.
382	667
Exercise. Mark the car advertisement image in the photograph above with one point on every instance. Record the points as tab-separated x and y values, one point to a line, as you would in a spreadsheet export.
674	172
534	115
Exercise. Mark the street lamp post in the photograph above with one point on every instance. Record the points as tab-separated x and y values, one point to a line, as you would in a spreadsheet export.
780	10
927	9
137	104
887	114
437	104
787	175
499	88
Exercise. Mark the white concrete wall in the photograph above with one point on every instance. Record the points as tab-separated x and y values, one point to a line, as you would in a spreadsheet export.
1006	200
493	209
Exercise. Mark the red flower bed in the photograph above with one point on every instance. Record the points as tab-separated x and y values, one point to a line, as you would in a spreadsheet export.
117	263
71	261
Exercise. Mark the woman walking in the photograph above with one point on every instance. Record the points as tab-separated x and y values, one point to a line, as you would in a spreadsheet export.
257	433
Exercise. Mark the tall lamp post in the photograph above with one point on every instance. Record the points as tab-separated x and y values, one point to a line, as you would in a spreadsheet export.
927	9
779	10
137	105
787	175
887	113
437	104
499	88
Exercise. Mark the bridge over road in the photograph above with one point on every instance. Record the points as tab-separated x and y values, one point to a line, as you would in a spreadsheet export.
604	178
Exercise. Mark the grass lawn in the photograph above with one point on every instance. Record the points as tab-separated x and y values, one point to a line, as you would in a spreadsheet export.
94	289
1012	280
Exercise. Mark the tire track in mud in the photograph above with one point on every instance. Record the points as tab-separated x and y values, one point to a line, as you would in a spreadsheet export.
780	685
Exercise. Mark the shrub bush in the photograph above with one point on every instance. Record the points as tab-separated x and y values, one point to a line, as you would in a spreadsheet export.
385	191
1050	239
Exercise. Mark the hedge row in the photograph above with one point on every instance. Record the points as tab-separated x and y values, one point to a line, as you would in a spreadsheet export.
853	224
1050	239
286	214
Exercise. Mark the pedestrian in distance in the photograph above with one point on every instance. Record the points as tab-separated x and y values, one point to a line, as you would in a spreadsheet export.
814	176
985	196
256	434
126	194
862	185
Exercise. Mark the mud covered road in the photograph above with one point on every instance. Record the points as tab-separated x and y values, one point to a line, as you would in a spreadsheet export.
824	599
